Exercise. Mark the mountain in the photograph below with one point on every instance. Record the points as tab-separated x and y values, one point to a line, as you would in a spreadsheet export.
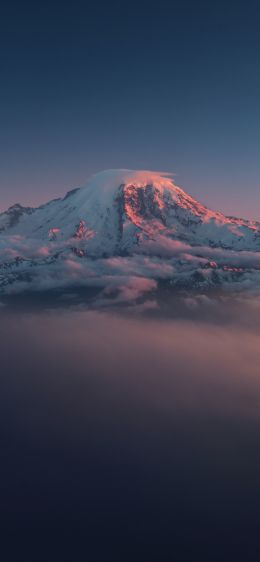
119	209
126	224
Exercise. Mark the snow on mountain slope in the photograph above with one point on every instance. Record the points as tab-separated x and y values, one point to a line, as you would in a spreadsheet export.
138	219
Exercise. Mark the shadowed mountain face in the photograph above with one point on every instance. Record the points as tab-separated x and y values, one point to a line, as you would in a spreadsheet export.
125	224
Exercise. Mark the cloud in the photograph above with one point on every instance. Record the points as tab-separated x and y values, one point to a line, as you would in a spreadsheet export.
27	264
93	394
164	246
125	290
174	365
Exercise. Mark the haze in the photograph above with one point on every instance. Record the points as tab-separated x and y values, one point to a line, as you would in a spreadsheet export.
144	433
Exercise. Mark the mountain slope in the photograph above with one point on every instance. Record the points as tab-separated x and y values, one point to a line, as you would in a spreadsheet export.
124	213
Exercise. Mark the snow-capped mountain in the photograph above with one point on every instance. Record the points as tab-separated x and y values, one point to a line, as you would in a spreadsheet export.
123	223
118	210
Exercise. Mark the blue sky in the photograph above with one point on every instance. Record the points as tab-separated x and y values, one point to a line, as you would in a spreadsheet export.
172	87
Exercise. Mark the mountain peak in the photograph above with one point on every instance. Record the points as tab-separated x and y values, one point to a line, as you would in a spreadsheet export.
107	182
112	177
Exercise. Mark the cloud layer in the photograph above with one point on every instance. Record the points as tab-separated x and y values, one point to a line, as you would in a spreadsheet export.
27	264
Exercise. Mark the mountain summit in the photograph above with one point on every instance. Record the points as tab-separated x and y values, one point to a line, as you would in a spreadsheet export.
141	217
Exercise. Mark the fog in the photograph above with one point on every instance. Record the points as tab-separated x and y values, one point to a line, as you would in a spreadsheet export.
128	437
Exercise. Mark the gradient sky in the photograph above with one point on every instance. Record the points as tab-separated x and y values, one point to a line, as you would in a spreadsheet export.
173	86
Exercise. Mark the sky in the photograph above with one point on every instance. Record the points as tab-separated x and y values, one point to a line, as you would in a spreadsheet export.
172	86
